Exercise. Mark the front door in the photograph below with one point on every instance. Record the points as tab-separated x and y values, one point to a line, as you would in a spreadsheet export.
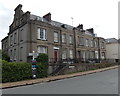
55	55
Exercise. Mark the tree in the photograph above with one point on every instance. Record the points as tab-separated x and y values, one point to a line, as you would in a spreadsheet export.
4	56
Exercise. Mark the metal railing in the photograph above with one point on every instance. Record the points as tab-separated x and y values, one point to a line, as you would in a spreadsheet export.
84	64
80	60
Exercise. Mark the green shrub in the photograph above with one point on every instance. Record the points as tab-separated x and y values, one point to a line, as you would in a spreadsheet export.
13	71
41	71
42	65
4	56
42	58
103	65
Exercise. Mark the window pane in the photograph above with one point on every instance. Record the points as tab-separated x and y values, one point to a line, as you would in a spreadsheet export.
38	33
44	34
87	42
95	43
64	54
71	54
42	49
91	43
81	41
63	38
55	36
41	33
70	39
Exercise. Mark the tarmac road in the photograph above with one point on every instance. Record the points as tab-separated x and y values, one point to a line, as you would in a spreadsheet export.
105	82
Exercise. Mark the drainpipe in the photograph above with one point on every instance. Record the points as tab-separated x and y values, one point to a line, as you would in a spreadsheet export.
60	45
99	50
74	44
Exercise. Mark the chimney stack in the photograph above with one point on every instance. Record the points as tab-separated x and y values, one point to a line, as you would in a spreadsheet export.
19	7
90	30
18	12
47	16
80	26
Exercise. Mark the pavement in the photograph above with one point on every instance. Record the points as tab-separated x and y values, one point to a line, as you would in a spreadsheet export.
51	78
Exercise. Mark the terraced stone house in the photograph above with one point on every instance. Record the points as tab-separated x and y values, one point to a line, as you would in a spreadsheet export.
60	41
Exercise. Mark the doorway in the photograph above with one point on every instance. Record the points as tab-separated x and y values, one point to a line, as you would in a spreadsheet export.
55	55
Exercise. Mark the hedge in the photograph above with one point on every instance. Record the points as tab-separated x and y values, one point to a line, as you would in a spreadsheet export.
12	71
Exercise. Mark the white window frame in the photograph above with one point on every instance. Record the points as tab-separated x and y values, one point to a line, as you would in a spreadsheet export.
42	49
81	41
87	42
39	32
96	54
63	38
70	39
102	55
102	45
92	54
95	43
71	53
56	39
91	43
64	53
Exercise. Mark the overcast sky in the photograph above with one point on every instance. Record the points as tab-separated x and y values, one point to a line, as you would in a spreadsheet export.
102	15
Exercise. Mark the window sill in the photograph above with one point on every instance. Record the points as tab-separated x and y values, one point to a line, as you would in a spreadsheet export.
42	39
81	45
56	42
63	42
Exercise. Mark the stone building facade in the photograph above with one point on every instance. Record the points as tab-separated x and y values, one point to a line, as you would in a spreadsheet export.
29	33
112	49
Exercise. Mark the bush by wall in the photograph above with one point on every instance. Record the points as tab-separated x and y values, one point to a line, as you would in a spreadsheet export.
42	65
12	71
4	56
